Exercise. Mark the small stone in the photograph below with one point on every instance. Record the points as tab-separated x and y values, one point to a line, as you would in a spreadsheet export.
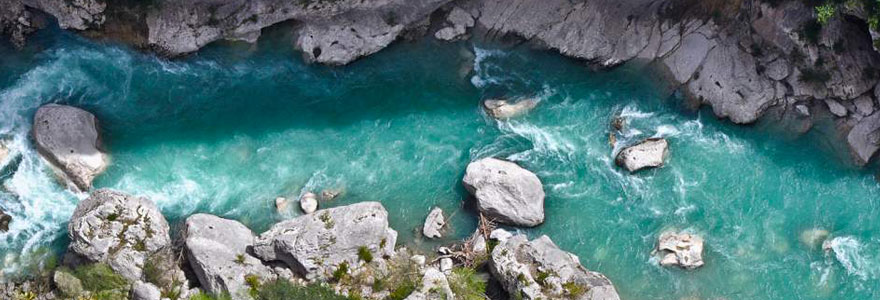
281	204
433	224
418	259
327	195
445	265
478	243
444	250
650	153
145	291
308	203
502	109
500	235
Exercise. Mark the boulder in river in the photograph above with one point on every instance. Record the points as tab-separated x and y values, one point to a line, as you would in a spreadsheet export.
649	153
314	245
864	139
218	252
680	249
4	151
281	204
433	223
814	237
68	137
538	269
506	192
117	229
503	109
308	202
5	219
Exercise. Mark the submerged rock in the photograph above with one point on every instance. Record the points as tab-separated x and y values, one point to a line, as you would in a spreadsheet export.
814	237
502	109
433	223
314	245
68	138
117	229
680	249
506	192
218	252
308	202
649	153
538	269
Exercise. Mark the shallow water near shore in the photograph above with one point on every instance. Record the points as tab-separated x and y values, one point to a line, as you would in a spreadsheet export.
227	130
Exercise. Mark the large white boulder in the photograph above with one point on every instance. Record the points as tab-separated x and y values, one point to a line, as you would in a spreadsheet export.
680	249
649	153
503	109
506	192
69	139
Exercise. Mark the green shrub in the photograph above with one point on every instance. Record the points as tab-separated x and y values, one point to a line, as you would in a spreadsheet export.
467	285
364	254
285	290
402	291
99	277
340	272
814	75
574	290
824	13
811	30
542	278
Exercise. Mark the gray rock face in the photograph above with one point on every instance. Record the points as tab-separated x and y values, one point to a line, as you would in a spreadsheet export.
680	249
836	108
314	245
145	291
217	250
433	224
518	262
502	109
68	138
647	154
864	139
458	21
117	229
506	192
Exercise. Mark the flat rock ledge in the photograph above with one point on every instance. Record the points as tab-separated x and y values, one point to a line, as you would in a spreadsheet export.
69	139
538	269
650	153
506	192
120	230
315	245
218	252
680	249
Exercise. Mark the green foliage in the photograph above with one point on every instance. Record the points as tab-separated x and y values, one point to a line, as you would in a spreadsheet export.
810	31
205	296
99	277
574	290
491	244
814	75
239	259
467	285
542	278
364	254
340	272
824	12
402	291
285	290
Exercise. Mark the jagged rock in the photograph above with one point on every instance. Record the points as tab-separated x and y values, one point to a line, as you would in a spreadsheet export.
502	109
649	153
506	192
5	219
327	195
864	139
308	203
434	223
519	263
145	291
500	235
343	39
802	110
814	237
459	21
119	230
67	284
281	204
680	249
435	286
864	105
68	137
314	245
218	252
836	108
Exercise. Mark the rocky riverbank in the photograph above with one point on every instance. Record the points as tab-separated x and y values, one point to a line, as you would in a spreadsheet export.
745	59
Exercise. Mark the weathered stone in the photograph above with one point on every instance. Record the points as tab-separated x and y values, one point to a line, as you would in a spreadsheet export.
218	252
864	105
419	259
145	291
446	265
506	192
308	203
67	284
836	108
459	21
502	109
680	249
119	230
814	237
802	110
68	138
649	153
314	245
435	286
518	263
864	139
433	224
5	219
281	204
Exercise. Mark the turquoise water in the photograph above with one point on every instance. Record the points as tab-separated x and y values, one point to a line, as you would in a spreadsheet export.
229	129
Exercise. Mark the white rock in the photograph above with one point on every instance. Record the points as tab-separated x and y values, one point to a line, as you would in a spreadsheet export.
281	204
434	223
308	202
446	265
647	154
418	259
502	109
680	249
814	237
506	192
500	235
145	291
68	137
802	110
836	108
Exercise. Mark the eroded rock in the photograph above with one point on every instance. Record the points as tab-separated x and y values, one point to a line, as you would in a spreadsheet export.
308	202
433	224
649	153
218	252
864	139
314	245
506	192
680	249
502	109
814	237
68	138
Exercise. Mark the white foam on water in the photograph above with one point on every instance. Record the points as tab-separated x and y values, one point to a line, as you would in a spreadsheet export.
481	77
853	256
546	142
